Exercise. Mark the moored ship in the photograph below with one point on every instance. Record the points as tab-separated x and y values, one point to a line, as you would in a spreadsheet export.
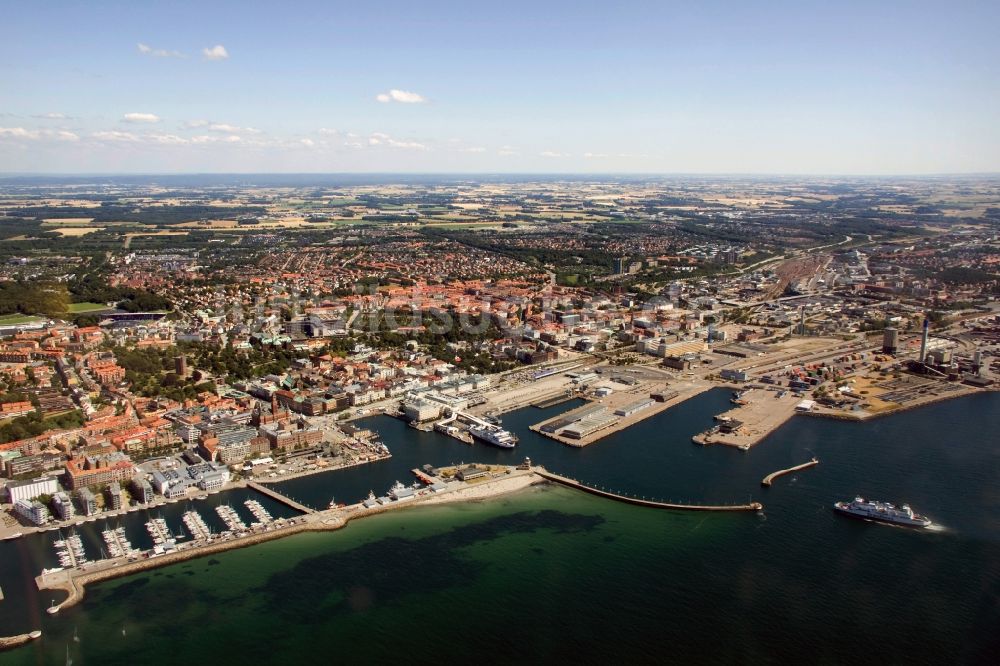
882	512
493	435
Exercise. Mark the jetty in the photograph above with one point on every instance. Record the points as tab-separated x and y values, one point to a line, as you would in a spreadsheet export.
767	480
9	642
653	504
275	495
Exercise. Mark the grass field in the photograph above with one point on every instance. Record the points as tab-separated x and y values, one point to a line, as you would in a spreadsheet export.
7	320
77	308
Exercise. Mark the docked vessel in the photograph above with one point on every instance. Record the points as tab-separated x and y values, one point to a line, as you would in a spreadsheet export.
493	435
882	512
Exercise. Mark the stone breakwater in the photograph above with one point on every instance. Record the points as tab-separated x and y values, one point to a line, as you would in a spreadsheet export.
12	642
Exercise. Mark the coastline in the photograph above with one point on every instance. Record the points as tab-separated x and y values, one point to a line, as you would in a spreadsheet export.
767	426
74	583
916	404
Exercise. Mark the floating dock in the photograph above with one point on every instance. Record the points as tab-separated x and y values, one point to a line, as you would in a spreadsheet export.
766	481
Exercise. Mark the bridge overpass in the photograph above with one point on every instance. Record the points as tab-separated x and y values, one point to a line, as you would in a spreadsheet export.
275	495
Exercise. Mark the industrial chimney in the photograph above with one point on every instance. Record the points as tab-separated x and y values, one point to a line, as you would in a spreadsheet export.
923	341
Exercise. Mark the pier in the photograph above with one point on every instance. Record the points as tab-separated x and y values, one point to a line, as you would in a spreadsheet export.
275	495
766	481
654	504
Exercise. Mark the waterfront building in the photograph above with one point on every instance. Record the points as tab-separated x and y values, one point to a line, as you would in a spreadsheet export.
32	511
114	497
142	490
209	476
63	506
86	501
29	490
98	470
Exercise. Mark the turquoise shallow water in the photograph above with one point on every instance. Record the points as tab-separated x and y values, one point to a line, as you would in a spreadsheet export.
551	574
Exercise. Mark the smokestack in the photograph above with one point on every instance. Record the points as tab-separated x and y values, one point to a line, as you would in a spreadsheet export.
923	341
802	320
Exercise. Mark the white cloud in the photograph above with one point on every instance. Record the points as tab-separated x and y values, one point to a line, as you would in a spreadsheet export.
232	129
217	52
401	96
140	118
507	151
594	155
35	135
472	149
115	135
381	139
550	153
158	53
19	133
192	124
208	138
309	143
167	139
328	132
52	116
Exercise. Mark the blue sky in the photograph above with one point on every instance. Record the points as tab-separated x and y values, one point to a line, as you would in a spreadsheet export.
664	87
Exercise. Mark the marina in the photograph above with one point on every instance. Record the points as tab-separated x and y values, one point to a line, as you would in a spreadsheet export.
70	552
231	519
261	514
160	533
196	526
117	543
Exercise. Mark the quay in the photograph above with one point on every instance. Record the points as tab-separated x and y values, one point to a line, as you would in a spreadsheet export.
621	409
552	402
758	413
275	495
766	481
572	483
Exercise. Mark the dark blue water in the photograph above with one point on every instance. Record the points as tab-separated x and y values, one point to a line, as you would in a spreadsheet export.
559	576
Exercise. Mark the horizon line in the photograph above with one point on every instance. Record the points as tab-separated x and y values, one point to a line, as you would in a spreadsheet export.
781	174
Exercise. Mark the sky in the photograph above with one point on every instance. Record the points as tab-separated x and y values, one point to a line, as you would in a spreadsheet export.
771	87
